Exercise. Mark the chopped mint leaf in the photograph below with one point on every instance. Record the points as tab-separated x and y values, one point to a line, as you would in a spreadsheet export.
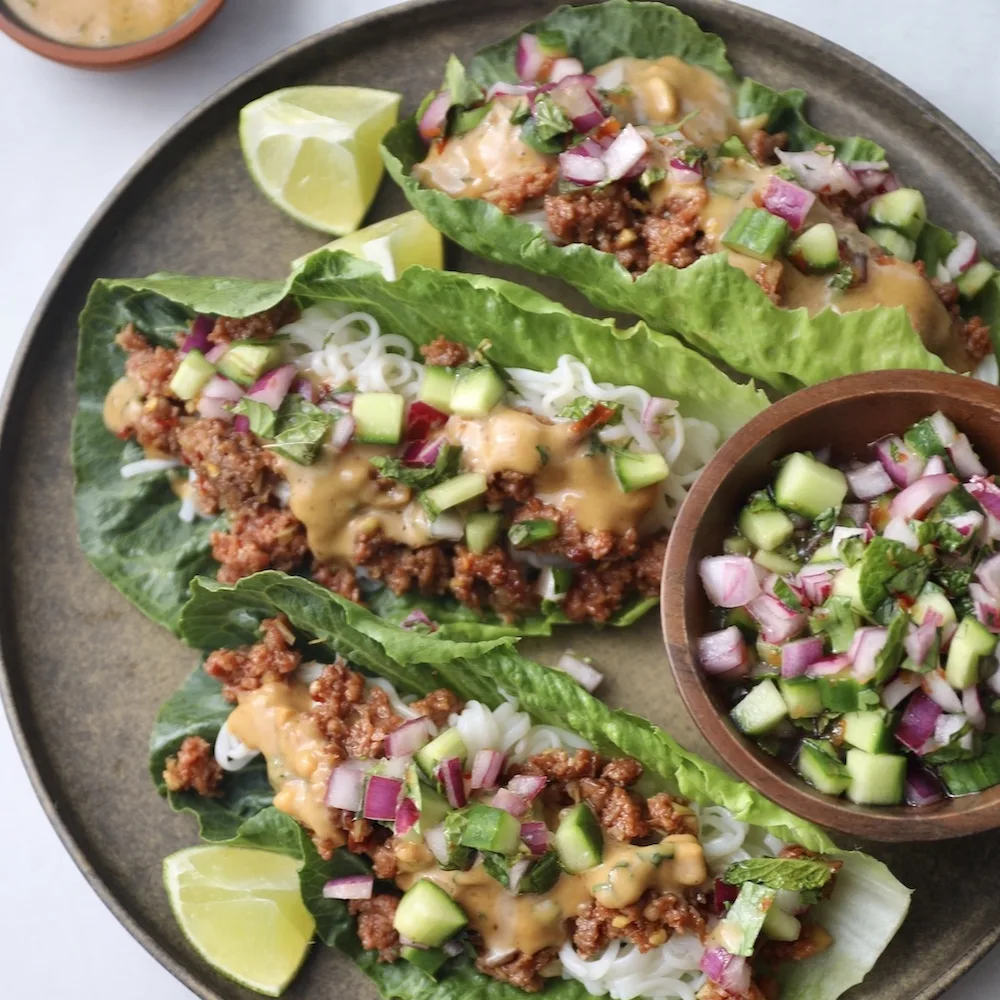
692	155
651	176
735	148
836	620
520	114
761	500
786	595
826	520
262	418
543	453
420	478
301	429
582	405
780	873
954	580
842	279
546	127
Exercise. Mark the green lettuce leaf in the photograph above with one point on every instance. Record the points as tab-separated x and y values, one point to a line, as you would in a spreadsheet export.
711	304
129	528
863	913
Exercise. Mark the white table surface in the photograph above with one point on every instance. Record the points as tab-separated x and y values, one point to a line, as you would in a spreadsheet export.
68	136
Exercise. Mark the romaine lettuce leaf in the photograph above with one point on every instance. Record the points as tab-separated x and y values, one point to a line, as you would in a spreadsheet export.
717	308
130	529
864	912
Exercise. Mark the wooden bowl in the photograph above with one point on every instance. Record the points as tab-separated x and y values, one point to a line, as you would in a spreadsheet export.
112	56
845	414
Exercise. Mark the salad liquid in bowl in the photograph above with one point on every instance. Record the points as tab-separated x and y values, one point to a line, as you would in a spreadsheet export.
100	23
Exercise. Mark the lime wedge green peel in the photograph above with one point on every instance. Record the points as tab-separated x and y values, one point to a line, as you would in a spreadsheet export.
242	912
314	151
394	244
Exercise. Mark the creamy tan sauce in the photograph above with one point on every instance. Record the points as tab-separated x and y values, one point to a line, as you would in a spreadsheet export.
663	91
122	406
486	157
337	499
565	475
275	720
100	23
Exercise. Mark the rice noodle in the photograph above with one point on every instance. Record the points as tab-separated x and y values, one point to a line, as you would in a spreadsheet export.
146	465
351	350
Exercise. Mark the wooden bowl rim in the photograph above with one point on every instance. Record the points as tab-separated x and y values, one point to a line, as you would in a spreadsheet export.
114	56
951	818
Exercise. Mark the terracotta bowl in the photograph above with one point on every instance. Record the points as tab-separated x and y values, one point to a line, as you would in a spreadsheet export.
845	414
113	56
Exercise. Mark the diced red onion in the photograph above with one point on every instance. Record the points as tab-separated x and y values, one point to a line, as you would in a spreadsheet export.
972	706
918	643
408	738
900	688
437	843
797	656
723	896
582	672
820	172
777	623
510	802
581	168
447	525
343	431
655	412
788	201
564	67
917	500
731	972
220	387
272	387
345	787
449	773
432	121
624	153
723	651
527	786
985	607
486	768
529	59
503	89
213	408
536	836
940	691
903	469
916	726
241	424
406	816
684	173
416	617
421	419
947	727
986	493
349	887
988	574
423	454
575	97
828	665
897	530
817	582
922	788
865	647
993	681
967	524
197	338
729	581
382	798
869	481
858	512
965	459
517	872
304	388
935	466
214	356
965	254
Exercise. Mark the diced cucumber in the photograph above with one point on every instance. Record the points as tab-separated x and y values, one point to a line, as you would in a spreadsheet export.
847	583
528	533
452	492
816	250
378	417
481	530
635	470
801	695
433	806
766	529
823	554
769	655
781	926
437	387
428	915
736	546
775	563
971	642
808	487
756	233
476	392
958	501
820	767
444	745
759	711
246	361
578	840
739	930
554	583
191	375
933	599
491	829
427	960
869	731
903	210
924	439
876	778
735	148
743	620
894	243
970	283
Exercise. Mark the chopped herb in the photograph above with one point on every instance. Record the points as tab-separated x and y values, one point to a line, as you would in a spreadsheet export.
692	155
786	595
526	533
842	279
795	874
674	126
761	500
543	453
520	114
651	176
421	478
582	405
302	428
954	580
548	124
262	418
826	520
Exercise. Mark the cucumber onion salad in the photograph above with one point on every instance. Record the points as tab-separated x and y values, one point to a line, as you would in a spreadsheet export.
513	842
862	606
343	451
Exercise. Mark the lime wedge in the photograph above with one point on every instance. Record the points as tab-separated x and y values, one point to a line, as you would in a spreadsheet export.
242	912
314	151
394	244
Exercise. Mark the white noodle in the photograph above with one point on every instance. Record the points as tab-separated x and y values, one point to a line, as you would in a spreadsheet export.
146	465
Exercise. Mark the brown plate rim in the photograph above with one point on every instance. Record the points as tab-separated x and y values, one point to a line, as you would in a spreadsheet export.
182	970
